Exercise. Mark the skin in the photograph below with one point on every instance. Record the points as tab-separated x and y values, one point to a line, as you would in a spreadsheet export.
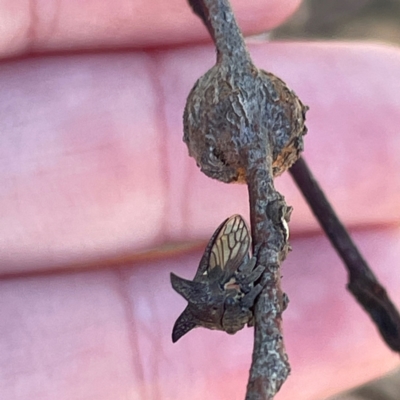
93	173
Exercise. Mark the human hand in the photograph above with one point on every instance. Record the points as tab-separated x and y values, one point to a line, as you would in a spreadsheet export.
94	173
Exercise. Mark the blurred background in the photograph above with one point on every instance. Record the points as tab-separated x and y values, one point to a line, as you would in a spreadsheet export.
377	20
372	20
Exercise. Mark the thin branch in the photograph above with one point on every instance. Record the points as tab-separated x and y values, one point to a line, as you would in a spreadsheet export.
242	124
270	366
363	284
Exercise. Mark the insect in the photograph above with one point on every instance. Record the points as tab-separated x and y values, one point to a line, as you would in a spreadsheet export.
223	291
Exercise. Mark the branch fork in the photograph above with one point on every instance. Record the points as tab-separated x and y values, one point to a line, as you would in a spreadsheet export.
244	125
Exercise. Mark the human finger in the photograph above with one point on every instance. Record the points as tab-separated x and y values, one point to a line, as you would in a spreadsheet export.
94	168
107	333
67	25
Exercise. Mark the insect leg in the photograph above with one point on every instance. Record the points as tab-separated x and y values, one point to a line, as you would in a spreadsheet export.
249	299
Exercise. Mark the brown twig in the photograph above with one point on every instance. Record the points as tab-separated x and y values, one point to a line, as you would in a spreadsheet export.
270	366
242	124
363	284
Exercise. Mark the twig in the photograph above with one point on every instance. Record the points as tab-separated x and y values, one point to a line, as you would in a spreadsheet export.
242	124
363	284
270	366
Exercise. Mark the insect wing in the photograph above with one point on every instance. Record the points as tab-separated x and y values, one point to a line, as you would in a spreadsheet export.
230	247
